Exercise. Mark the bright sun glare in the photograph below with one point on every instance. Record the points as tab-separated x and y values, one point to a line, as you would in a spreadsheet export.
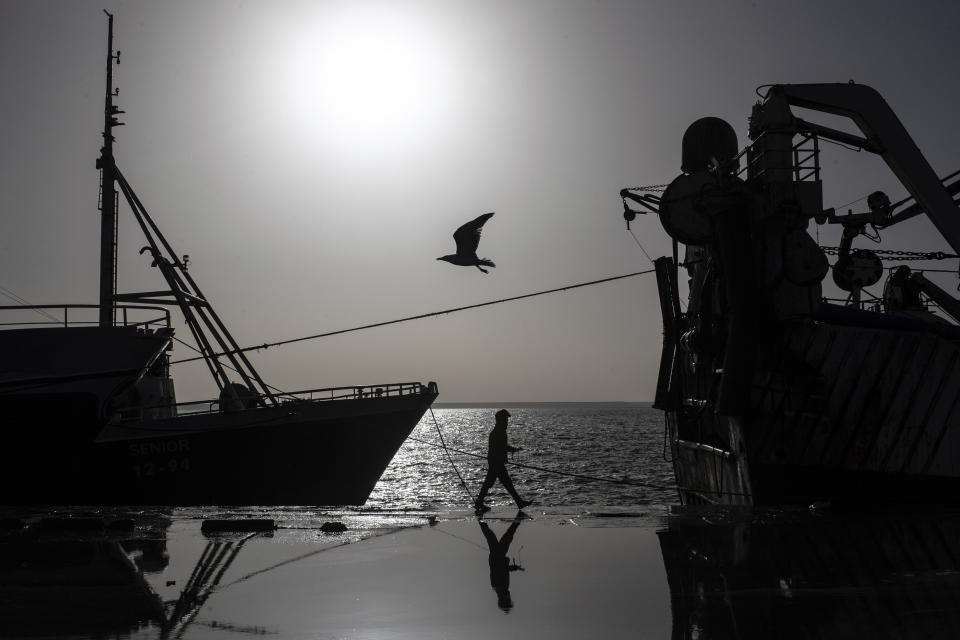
368	78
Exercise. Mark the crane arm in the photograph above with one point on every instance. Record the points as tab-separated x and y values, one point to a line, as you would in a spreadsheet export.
888	138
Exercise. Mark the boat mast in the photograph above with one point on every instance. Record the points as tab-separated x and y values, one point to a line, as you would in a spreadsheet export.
108	192
208	330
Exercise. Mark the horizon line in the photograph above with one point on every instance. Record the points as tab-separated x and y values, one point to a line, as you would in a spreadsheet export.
520	403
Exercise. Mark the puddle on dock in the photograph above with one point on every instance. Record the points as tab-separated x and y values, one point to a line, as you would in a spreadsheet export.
613	572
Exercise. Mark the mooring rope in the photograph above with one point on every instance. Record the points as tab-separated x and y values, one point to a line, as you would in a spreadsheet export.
581	476
421	316
450	458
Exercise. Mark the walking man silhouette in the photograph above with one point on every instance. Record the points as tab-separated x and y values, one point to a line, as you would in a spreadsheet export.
497	463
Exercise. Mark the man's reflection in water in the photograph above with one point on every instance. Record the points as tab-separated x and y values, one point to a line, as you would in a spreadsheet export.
500	566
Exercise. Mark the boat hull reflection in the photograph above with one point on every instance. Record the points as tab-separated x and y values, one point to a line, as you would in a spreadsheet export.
803	575
53	586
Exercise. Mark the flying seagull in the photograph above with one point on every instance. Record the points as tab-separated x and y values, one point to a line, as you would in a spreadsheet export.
467	238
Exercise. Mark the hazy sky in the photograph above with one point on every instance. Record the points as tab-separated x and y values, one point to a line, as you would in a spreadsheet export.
314	158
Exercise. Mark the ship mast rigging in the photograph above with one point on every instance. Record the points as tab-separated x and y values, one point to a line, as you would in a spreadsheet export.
108	192
209	332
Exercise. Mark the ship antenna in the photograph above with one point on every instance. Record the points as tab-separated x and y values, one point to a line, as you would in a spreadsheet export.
108	191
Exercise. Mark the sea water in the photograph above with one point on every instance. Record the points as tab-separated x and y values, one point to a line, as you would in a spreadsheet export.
574	457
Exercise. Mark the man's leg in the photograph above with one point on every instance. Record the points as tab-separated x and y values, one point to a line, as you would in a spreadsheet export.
487	483
505	480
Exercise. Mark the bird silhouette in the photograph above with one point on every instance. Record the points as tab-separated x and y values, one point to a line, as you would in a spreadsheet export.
467	238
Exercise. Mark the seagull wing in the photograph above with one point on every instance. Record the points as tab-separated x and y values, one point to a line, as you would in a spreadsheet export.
467	236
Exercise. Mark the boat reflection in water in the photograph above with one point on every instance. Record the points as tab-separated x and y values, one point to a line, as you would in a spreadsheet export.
813	575
89	577
55	582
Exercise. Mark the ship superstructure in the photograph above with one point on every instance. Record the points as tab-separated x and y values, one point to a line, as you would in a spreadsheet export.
772	392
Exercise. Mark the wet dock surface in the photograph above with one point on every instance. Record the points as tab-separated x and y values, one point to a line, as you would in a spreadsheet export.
613	573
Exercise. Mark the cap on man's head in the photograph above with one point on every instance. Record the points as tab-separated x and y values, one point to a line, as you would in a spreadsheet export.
503	414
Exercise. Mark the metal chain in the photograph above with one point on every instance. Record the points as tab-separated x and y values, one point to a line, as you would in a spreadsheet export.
891	254
649	187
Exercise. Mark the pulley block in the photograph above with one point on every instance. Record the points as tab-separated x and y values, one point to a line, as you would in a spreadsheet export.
861	268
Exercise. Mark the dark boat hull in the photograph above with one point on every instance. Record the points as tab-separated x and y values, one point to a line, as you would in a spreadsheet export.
305	452
842	413
846	405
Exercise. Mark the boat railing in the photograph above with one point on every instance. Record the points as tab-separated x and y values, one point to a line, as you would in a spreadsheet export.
77	315
357	392
877	306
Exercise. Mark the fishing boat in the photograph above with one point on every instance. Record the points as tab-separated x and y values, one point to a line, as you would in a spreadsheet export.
773	392
89	412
